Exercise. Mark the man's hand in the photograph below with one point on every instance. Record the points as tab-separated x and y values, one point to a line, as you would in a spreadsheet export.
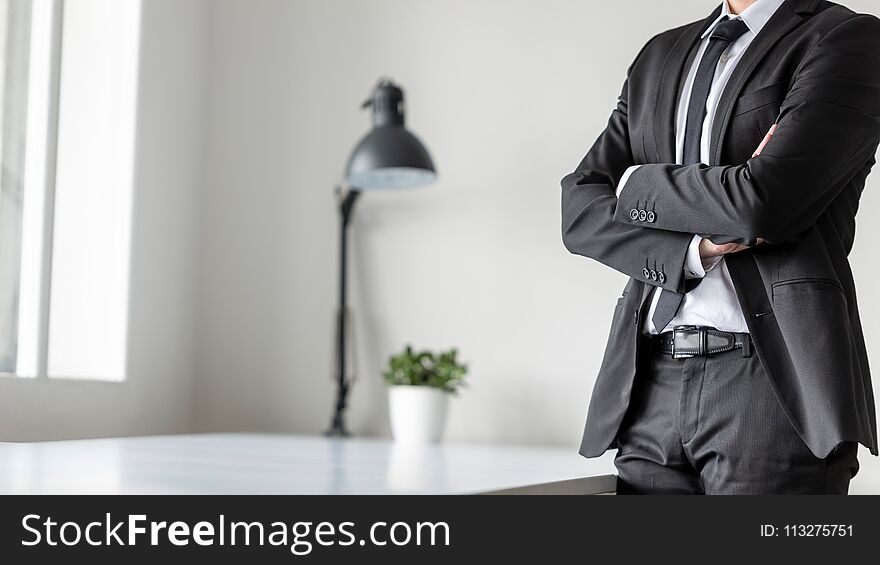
711	253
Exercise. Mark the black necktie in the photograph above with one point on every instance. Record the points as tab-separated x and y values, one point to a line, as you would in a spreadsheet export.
726	32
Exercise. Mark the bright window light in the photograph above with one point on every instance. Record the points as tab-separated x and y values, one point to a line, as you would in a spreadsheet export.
20	27
88	302
38	165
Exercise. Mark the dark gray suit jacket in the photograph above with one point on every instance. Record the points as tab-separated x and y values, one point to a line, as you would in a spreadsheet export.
815	70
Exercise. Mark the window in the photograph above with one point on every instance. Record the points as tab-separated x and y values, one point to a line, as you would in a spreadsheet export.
16	31
69	92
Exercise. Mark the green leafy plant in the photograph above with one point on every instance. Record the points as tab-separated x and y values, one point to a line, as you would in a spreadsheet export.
425	368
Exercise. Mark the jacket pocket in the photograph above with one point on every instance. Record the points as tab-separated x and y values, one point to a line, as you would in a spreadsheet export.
805	285
764	96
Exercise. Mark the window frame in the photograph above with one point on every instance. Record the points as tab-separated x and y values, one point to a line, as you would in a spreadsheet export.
41	142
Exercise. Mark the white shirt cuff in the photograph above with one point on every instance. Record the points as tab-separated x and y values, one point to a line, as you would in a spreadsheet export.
626	174
694	268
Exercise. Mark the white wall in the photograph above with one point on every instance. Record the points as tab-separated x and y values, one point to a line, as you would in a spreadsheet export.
156	397
507	95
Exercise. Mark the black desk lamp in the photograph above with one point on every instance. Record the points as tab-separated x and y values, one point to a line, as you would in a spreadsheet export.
389	156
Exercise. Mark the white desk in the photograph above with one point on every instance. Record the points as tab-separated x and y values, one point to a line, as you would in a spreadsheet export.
280	464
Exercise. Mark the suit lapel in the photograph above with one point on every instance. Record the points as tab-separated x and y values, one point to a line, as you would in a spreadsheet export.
783	21
744	272
669	88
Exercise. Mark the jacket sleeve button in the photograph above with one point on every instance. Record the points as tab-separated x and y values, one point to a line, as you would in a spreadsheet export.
633	214
642	215
651	217
653	275
646	273
661	277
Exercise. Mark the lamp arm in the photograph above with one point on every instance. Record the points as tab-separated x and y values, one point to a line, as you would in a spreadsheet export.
347	199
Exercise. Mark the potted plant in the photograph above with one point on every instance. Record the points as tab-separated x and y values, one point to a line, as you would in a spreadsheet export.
419	386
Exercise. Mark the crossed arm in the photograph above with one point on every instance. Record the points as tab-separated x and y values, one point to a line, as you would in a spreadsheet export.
588	209
828	129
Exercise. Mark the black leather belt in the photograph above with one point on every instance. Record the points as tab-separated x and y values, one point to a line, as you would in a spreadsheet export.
701	341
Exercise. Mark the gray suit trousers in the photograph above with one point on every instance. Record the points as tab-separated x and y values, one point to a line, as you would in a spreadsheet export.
712	425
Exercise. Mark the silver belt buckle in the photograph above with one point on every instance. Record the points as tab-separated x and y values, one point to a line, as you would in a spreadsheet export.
679	355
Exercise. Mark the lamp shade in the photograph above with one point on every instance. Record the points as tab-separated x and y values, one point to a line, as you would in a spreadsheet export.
389	156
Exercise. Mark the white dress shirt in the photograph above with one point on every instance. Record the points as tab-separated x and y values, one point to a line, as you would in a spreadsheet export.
712	303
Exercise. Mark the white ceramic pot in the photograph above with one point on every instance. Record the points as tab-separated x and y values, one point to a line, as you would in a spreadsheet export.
418	413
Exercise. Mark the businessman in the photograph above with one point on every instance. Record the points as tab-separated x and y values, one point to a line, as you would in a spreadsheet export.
726	186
